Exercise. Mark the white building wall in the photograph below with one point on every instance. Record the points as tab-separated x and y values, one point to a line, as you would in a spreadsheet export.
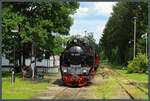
44	62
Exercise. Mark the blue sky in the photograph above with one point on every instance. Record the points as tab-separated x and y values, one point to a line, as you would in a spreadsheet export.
92	17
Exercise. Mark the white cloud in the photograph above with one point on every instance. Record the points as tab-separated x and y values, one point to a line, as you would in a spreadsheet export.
82	11
86	24
89	22
76	32
104	8
84	20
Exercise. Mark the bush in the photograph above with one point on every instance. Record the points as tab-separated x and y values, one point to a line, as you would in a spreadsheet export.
138	64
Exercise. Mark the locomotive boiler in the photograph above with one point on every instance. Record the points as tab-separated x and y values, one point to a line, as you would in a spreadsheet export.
78	63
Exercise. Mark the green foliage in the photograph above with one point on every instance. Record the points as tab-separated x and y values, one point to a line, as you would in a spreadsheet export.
102	56
138	64
36	22
118	34
57	49
89	38
141	46
92	42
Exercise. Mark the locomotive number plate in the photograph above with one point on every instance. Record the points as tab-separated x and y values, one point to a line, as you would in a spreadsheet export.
75	65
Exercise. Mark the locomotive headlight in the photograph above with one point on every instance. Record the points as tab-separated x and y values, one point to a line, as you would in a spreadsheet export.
75	40
84	71
65	70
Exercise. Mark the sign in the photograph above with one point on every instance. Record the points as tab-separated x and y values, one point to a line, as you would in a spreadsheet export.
144	36
14	31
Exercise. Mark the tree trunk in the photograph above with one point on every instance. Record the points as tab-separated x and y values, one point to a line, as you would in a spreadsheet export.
20	63
23	53
53	61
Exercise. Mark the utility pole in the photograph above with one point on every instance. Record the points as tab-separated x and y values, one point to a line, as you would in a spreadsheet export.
13	69
134	36
33	52
146	44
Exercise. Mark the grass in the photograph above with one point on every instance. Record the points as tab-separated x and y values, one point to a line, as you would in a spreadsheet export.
140	80
113	65
110	89
107	90
21	89
133	76
116	66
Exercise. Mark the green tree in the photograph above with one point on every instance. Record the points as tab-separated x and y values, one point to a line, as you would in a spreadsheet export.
89	38
118	31
138	64
36	21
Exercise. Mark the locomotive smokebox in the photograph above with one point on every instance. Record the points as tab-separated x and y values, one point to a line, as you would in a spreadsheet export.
76	54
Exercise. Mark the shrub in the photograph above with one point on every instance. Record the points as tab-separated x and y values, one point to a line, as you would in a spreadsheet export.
138	64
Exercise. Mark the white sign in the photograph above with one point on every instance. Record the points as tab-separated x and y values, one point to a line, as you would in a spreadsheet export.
14	31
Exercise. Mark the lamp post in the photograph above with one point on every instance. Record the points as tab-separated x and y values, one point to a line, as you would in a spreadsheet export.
13	69
134	36
146	43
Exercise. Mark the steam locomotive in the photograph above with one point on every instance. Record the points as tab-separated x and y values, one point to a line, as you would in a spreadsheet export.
78	63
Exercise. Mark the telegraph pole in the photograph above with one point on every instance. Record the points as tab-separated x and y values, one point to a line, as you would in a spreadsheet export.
134	37
146	44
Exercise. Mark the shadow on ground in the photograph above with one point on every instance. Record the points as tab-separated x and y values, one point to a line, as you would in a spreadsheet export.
6	74
38	80
59	82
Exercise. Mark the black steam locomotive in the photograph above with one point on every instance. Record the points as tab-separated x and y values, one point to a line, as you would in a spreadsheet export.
78	63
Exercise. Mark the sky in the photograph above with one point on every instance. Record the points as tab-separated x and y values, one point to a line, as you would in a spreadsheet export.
92	17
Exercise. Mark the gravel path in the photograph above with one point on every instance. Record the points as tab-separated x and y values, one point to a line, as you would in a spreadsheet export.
57	90
60	91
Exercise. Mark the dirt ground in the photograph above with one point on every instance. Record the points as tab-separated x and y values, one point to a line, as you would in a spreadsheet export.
57	90
109	88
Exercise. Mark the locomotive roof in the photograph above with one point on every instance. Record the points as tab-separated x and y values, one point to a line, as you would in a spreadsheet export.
81	43
78	40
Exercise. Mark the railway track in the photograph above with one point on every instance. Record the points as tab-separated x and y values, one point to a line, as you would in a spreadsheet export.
61	92
142	90
76	95
113	72
126	91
